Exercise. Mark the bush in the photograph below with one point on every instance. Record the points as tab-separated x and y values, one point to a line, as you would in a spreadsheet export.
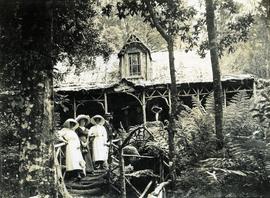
10	172
241	169
9	151
195	138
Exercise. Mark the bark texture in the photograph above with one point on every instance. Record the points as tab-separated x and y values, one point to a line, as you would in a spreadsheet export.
172	127
36	94
217	86
267	24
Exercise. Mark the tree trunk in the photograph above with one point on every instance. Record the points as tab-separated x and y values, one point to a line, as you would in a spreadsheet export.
122	171
267	24
36	155
36	114
212	39
172	128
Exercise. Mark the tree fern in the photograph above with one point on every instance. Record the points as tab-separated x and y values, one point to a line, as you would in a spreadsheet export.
241	96
261	110
197	103
210	103
195	137
245	160
237	116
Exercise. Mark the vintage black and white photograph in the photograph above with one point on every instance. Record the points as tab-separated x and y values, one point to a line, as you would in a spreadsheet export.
134	98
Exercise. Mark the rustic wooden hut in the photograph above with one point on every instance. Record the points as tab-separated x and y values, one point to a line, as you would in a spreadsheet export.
134	84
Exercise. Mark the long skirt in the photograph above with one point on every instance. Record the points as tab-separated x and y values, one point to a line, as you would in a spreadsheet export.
74	158
100	150
88	160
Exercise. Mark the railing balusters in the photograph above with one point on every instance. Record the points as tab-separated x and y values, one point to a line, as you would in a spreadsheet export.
58	154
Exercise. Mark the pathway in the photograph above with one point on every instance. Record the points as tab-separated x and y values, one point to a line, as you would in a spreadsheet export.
94	185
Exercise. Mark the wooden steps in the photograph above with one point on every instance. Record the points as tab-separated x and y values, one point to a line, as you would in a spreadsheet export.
91	192
83	186
93	185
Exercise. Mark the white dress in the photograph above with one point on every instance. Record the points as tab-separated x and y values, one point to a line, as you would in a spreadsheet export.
100	150
74	158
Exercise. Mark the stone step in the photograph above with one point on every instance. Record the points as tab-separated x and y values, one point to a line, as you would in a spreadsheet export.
93	177
85	186
86	196
100	171
93	192
93	185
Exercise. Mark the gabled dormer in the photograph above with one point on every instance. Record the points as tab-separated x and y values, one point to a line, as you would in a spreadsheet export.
135	60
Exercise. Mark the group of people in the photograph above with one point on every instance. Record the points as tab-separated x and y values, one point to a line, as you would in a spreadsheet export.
86	149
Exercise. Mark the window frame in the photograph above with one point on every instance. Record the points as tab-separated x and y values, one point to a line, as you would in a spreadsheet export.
131	66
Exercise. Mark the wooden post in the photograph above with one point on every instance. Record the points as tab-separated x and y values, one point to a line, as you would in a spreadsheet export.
110	164
146	189
198	94
157	115
133	187
144	106
105	102
254	89
74	107
122	172
161	168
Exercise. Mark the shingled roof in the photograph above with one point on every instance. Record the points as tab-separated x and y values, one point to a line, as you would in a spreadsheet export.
190	68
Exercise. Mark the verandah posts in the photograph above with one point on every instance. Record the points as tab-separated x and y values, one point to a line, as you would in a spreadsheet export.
74	107
144	107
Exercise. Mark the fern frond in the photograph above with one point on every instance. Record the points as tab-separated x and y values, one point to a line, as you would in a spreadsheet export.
240	97
197	103
210	103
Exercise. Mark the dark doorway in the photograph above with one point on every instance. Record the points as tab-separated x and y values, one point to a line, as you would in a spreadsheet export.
63	113
187	100
126	109
90	108
159	102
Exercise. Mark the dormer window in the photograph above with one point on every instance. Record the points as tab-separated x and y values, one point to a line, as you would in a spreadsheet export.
135	60
134	64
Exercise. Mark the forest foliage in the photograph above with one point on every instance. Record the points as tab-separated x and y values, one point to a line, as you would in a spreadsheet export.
241	169
34	35
244	163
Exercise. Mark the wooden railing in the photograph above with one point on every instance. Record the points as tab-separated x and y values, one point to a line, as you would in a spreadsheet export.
59	167
160	191
115	149
137	134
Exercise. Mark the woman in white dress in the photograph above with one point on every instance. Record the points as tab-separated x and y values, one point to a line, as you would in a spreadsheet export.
83	134
100	147
75	163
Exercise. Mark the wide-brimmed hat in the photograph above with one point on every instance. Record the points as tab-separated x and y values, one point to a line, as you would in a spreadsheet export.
102	120
68	121
82	116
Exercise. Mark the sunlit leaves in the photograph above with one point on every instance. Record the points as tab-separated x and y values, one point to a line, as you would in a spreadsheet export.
232	28
172	16
261	109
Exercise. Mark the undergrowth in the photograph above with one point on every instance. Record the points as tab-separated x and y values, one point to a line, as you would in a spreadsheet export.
242	168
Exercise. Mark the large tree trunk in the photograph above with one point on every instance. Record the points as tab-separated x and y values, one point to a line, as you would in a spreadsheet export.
36	155
267	24
218	97
172	128
36	115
